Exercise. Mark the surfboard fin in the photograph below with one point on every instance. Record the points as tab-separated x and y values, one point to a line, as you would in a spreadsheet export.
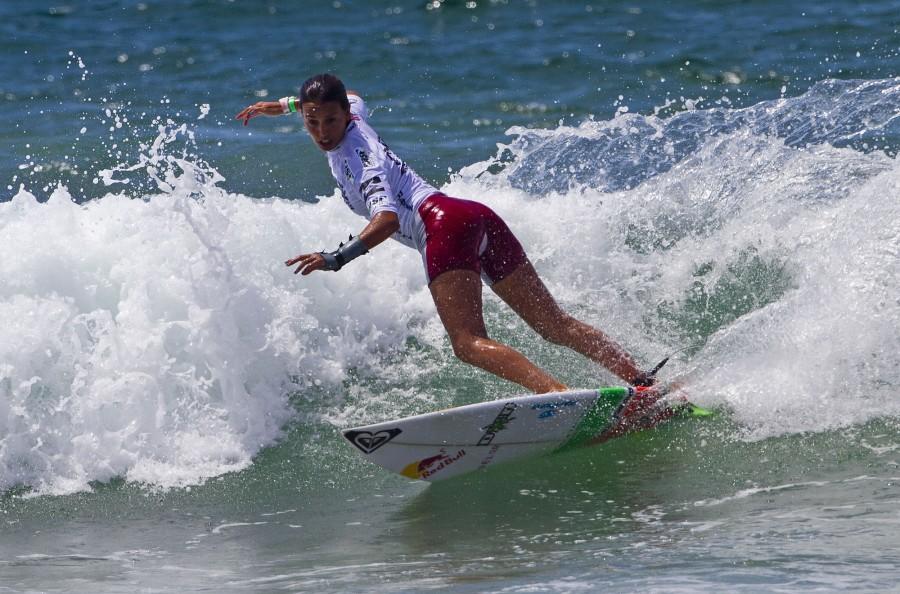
647	378
692	410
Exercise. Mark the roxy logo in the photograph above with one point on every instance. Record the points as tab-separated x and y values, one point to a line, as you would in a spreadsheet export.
368	442
363	157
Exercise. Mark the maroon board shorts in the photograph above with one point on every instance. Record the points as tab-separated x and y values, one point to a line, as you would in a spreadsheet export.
466	235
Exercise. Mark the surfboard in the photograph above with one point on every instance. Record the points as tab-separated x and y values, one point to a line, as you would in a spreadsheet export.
447	443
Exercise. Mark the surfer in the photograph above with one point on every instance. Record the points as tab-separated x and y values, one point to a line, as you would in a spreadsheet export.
461	241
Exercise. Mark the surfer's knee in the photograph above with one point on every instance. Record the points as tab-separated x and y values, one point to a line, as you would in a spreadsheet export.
465	348
468	348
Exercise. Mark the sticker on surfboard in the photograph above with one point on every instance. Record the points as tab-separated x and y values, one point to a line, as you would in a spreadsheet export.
369	441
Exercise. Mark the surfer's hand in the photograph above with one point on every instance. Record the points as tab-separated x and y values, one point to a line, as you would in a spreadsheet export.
257	109
307	263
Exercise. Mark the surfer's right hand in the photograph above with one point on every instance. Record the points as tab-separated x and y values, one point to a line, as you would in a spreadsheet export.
307	263
259	108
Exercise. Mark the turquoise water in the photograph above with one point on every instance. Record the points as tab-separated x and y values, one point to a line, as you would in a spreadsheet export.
717	179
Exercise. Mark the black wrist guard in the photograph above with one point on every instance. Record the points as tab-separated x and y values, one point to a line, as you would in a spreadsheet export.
354	248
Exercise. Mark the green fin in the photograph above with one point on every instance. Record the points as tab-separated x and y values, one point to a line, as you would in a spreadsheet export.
696	411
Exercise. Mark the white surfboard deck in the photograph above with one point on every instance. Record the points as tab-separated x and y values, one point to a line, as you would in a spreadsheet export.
455	441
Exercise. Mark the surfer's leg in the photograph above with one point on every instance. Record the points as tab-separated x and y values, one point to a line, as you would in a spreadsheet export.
457	295
524	291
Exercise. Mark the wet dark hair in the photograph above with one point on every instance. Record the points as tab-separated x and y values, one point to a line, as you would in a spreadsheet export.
323	88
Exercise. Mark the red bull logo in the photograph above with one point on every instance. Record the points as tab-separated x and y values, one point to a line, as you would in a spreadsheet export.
426	467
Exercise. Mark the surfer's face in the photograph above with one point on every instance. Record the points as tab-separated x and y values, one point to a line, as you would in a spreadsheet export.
326	122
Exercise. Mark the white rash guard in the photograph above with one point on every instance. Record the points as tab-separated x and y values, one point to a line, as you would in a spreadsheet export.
373	179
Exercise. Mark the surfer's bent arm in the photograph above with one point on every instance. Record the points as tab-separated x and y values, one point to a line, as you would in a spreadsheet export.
383	225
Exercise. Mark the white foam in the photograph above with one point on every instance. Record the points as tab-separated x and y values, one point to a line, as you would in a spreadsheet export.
825	354
817	353
159	339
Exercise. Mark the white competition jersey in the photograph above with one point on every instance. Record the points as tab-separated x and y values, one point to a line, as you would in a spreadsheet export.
372	179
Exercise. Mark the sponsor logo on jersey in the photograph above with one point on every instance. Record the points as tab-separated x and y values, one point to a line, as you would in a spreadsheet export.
368	442
363	156
404	169
498	424
427	467
549	409
348	175
370	187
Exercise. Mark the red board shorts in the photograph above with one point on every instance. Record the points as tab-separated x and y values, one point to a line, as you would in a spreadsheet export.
466	235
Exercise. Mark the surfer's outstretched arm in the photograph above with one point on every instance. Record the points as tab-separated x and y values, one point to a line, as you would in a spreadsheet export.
284	106
382	226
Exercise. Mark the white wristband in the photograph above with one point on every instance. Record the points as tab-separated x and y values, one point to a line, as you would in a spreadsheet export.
284	105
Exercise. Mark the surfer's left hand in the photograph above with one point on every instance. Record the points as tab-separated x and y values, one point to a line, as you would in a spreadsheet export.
270	108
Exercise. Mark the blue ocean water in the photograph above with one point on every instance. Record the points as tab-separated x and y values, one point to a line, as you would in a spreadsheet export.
713	178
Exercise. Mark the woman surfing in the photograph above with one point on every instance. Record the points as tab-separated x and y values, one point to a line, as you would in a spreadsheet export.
461	242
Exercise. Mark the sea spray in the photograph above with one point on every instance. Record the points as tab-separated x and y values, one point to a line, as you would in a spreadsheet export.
160	337
768	247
